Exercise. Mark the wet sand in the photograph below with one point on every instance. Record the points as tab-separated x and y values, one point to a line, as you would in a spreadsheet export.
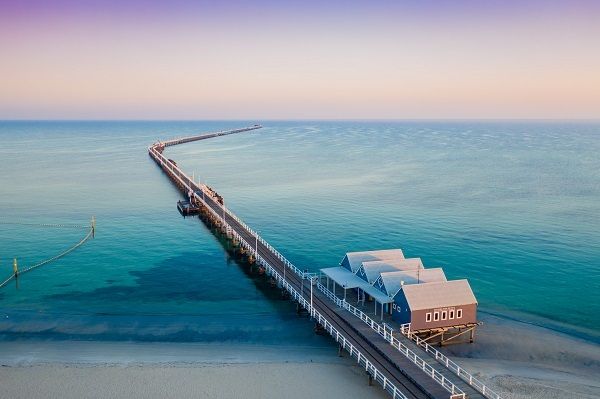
517	360
520	360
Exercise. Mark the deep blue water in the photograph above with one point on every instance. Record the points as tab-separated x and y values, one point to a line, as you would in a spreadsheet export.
512	206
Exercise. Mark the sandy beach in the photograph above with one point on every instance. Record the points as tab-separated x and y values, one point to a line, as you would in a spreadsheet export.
263	380
517	360
157	370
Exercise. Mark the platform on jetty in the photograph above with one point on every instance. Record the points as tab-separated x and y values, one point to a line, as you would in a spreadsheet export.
186	208
404	368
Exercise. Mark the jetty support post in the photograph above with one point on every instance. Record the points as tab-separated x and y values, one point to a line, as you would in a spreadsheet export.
470	330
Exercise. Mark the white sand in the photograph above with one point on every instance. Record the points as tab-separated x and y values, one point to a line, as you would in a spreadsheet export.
513	380
517	360
138	370
260	380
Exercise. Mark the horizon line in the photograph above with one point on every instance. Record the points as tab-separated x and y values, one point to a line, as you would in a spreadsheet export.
453	119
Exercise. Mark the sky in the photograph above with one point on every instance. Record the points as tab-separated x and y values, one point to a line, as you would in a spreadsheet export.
180	59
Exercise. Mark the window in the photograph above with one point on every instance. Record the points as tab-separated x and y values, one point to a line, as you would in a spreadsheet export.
444	313
436	316
459	313
428	317
451	314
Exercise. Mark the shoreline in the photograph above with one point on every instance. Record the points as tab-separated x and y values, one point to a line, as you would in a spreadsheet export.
26	353
47	320
586	334
516	359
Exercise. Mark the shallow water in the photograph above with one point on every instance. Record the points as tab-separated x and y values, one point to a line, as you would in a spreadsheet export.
512	206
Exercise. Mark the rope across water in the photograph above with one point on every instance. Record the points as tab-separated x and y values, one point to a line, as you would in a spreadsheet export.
69	226
90	234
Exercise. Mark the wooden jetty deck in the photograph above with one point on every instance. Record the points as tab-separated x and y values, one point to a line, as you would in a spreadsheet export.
402	367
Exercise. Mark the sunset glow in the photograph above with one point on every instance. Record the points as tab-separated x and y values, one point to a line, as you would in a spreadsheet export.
195	60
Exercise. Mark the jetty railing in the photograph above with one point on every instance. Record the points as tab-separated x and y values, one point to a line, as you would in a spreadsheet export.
385	331
339	337
188	139
450	365
388	336
381	330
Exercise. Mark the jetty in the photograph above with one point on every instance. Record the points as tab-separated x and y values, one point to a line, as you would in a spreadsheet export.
403	364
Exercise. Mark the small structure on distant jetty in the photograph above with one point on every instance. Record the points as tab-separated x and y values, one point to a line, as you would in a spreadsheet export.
416	297
186	208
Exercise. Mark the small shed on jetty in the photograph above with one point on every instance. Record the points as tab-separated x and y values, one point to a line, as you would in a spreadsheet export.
436	305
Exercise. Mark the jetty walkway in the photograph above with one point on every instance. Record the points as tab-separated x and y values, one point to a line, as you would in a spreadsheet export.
403	368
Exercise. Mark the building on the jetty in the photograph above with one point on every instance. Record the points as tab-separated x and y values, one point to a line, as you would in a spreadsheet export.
341	277
370	271
436	305
406	290
391	282
345	275
353	260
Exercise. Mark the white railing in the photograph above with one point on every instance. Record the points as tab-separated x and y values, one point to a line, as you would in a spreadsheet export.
387	333
187	139
440	357
425	367
450	365
339	337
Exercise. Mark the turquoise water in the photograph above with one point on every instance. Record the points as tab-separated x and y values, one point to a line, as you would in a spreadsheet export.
512	206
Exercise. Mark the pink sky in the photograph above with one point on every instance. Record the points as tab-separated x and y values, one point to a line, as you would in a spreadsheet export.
137	60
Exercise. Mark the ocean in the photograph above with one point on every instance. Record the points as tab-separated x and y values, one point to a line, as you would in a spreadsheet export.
513	206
